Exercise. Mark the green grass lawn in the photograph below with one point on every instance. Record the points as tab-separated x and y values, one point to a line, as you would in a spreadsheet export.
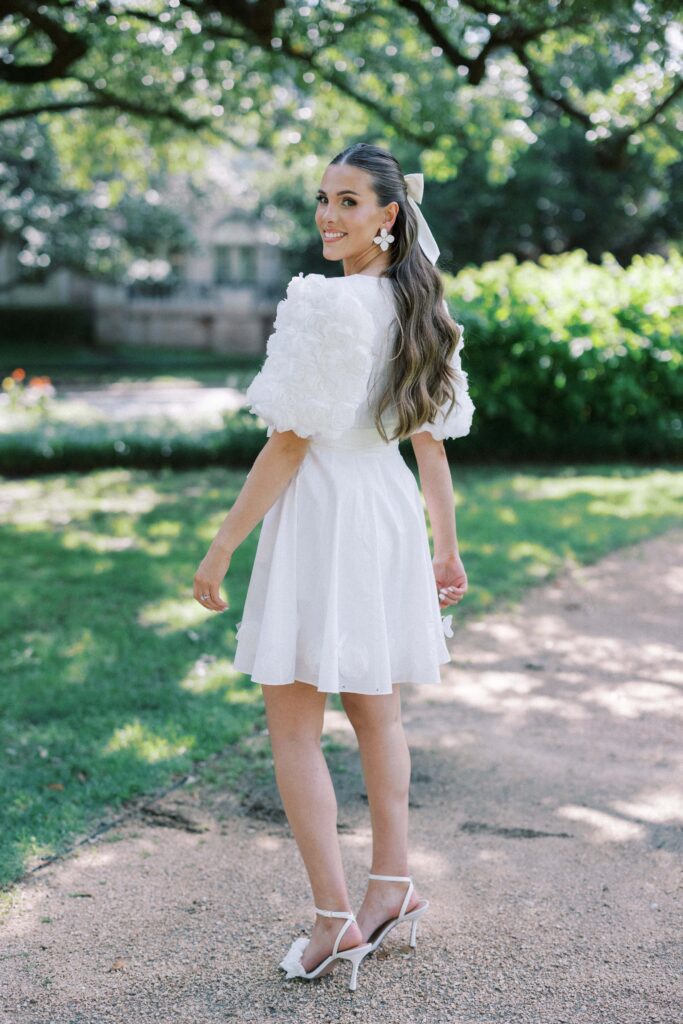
116	679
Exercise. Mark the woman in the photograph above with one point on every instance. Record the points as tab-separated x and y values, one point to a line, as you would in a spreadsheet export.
342	596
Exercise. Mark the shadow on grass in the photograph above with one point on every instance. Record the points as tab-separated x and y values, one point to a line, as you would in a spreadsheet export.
118	679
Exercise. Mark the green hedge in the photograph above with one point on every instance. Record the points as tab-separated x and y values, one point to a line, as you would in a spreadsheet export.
566	360
573	359
62	447
52	324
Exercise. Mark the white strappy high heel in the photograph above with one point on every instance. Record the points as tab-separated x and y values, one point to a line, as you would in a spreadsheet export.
292	960
413	916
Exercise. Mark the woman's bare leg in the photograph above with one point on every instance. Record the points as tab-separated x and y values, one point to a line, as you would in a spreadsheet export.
295	714
385	758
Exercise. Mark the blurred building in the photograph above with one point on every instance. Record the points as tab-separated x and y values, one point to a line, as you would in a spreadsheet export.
222	296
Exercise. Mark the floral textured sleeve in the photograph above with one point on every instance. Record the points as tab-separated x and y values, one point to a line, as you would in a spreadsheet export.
318	359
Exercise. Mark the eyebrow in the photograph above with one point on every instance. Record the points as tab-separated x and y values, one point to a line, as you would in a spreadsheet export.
343	192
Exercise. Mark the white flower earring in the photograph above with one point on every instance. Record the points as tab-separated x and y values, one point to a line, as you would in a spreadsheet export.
383	239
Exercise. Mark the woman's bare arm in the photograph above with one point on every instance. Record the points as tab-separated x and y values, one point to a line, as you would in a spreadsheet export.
437	487
273	468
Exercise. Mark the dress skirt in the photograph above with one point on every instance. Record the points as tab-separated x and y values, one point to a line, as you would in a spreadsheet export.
342	593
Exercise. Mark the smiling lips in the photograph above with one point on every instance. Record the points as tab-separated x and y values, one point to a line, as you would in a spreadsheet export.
333	236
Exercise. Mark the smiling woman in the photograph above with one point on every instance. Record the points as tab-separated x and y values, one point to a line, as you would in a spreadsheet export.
344	596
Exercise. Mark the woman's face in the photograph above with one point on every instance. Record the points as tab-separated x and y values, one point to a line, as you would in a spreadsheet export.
348	218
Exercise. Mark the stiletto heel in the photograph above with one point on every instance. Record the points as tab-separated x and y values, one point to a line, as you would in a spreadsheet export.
381	932
355	955
292	964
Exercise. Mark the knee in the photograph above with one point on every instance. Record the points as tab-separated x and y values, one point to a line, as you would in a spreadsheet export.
295	716
294	738
370	714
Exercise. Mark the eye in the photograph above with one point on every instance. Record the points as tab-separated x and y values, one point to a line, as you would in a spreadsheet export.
323	199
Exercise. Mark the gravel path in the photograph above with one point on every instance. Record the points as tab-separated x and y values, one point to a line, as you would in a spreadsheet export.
546	829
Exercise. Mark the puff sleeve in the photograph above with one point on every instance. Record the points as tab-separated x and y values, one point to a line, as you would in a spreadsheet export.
457	423
318	359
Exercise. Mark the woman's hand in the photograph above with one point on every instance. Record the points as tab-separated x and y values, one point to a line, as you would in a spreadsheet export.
451	579
208	577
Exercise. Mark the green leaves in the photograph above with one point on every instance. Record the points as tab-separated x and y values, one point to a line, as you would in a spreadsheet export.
575	357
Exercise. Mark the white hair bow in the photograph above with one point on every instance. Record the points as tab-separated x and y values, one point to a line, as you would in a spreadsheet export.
415	187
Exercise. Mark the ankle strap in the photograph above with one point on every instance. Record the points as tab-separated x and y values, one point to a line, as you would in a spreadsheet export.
409	890
392	878
340	934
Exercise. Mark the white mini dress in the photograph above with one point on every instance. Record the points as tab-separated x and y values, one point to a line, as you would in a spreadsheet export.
342	593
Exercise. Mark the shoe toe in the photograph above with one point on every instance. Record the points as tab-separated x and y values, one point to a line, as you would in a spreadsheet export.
291	962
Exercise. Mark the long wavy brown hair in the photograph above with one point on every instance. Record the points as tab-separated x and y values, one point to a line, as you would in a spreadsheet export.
420	380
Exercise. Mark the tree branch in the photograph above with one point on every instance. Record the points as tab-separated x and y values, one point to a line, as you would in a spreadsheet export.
436	34
68	47
339	81
108	101
611	152
538	86
508	34
257	16
676	91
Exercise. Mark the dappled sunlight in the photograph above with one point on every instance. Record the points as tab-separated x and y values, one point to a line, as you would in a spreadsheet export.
105	639
425	861
164	528
619	494
658	807
571	482
248	694
122	677
74	538
529	527
606	828
209	674
337	721
268	842
506	514
62	500
360	839
33	902
582	662
512	693
173	614
539	559
491	856
147	745
77	654
428	861
630	699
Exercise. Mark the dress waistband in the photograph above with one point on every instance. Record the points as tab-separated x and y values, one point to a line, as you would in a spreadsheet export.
359	440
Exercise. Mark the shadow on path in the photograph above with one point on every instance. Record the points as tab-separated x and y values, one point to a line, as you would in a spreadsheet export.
546	830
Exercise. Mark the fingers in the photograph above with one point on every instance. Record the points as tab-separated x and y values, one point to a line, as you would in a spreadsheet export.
208	596
451	595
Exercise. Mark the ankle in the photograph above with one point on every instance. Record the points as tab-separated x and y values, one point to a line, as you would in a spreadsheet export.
331	924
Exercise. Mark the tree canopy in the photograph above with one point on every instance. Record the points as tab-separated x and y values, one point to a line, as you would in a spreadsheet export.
544	125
